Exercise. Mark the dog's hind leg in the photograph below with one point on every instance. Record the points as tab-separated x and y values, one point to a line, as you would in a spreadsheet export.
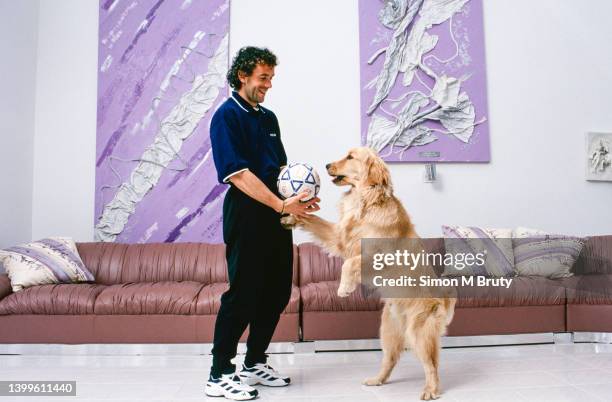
392	340
427	349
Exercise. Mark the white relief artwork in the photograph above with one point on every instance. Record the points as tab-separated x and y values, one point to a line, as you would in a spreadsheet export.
599	157
175	129
418	94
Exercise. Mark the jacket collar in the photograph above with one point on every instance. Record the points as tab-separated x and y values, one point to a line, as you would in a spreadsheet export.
246	106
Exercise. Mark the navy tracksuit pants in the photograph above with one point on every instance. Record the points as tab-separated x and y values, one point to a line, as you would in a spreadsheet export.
260	266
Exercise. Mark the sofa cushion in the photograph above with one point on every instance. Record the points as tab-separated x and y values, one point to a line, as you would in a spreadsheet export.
149	298
538	253
104	260
322	296
115	263
523	291
495	244
209	299
73	299
589	289
46	261
316	265
435	245
595	257
319	279
5	286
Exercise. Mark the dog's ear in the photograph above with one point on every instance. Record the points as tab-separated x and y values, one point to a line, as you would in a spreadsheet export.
377	172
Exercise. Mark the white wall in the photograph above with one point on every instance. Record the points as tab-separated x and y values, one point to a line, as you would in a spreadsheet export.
65	139
549	66
549	69
18	34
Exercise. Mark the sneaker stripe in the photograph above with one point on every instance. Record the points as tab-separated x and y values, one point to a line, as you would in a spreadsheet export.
231	387
263	374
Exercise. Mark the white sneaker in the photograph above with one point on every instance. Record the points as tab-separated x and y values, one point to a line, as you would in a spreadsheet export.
230	387
263	374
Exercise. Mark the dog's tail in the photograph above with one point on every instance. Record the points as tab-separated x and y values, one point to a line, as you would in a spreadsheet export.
437	315
448	309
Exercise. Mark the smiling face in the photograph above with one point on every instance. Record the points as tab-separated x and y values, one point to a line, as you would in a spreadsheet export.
255	86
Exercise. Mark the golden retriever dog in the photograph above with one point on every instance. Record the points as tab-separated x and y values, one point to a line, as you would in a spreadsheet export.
370	210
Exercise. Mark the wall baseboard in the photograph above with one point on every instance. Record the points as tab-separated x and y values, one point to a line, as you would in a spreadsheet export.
191	349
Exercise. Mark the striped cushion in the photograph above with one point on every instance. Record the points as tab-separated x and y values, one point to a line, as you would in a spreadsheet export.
496	244
46	261
538	253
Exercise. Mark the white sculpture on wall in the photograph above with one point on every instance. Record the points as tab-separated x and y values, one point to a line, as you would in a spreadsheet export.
599	152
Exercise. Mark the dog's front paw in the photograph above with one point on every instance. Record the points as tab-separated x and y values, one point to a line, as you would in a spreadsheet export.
372	381
289	222
429	394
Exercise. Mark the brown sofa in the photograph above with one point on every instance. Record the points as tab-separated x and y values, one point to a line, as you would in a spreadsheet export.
582	303
153	293
169	293
589	296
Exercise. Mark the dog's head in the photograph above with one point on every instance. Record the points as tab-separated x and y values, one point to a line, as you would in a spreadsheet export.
360	167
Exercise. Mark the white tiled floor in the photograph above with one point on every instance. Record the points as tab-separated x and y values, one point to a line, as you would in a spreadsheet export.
574	372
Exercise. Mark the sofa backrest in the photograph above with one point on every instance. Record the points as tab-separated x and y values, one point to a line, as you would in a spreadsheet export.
114	263
595	257
316	265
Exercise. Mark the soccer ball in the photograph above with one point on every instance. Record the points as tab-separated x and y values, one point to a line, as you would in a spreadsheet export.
296	178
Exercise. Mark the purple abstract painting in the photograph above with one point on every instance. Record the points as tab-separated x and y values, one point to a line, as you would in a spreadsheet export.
161	76
423	81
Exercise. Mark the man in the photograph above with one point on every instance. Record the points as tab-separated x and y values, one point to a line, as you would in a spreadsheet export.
249	154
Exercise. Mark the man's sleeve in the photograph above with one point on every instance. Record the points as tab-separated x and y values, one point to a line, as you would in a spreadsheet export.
228	146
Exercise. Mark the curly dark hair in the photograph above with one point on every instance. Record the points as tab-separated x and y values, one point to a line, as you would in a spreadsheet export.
245	61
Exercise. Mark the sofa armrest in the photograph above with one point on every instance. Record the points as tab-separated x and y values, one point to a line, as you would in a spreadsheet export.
5	286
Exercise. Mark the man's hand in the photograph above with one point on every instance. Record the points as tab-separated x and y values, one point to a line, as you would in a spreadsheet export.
249	184
295	206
